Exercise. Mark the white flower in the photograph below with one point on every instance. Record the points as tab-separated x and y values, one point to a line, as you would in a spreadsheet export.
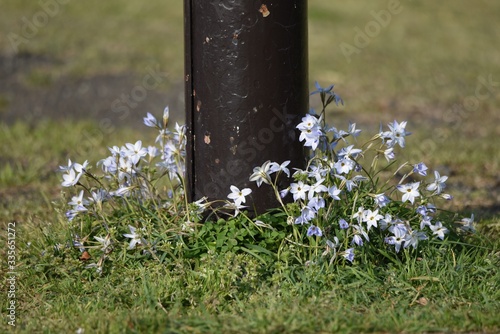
439	183
344	166
410	191
134	152
136	238
261	174
70	178
299	190
238	196
439	230
334	192
274	167
78	202
105	242
467	224
317	188
371	218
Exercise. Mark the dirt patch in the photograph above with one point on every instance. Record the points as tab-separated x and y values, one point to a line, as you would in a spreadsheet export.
29	90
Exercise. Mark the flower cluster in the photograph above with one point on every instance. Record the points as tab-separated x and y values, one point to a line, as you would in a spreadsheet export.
343	200
130	172
349	196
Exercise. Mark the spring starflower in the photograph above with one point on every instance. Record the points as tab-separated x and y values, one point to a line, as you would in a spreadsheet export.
150	121
136	238
439	230
467	224
314	230
78	202
299	190
349	254
105	242
439	183
343	224
397	239
420	168
238	196
371	218
135	152
261	174
412	238
344	166
410	191
334	192
275	167
71	178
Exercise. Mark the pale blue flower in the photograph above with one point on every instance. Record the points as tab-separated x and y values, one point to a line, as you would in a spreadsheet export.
311	137
420	168
314	230
421	210
150	121
308	122
389	154
348	152
349	254
398	133
467	224
412	238
357	240
105	242
78	202
71	214
334	192
275	167
439	183
134	152
307	214
381	200
425	221
386	222
327	91
349	183
316	203
343	224
397	239
317	188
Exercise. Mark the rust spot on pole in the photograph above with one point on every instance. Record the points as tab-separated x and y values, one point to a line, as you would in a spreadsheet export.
264	11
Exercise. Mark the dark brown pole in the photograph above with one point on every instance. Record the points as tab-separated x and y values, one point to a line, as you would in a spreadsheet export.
246	90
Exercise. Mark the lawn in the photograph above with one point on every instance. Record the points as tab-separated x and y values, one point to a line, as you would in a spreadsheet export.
434	64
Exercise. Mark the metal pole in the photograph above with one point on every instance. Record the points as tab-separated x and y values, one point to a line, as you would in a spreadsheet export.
246	90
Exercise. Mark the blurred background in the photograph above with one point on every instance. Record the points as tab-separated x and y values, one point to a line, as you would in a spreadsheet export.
68	69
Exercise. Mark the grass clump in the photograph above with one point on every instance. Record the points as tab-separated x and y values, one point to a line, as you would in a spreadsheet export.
128	253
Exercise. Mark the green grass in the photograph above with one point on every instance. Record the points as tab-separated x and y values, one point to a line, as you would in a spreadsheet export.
426	61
